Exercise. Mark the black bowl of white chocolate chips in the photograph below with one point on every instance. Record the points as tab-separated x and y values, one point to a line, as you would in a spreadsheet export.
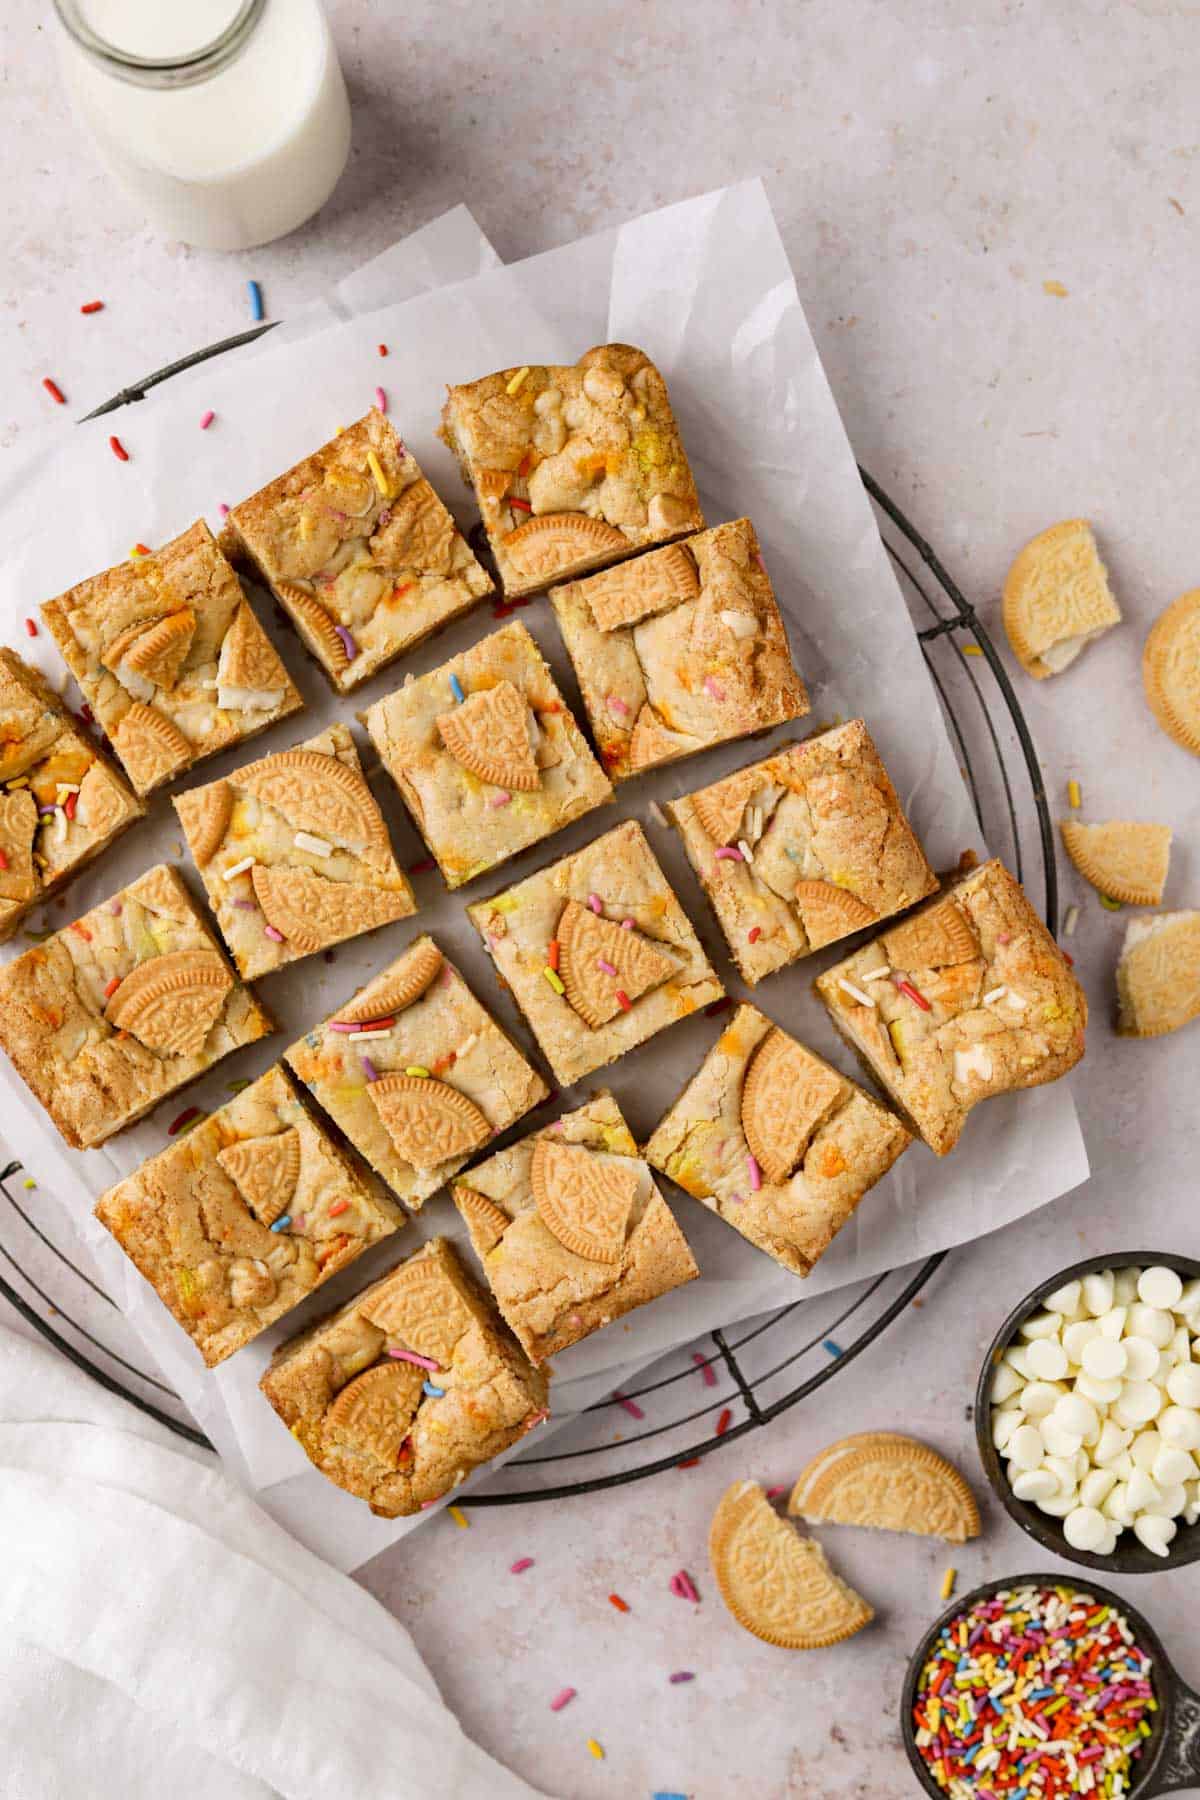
1087	1412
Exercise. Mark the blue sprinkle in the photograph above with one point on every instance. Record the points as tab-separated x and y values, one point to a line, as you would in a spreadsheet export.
434	1393
833	1349
283	1223
456	689
664	1794
256	304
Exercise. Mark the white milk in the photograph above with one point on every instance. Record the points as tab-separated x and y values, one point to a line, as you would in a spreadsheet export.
233	160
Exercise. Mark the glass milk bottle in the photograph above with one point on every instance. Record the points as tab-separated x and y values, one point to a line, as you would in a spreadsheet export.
226	120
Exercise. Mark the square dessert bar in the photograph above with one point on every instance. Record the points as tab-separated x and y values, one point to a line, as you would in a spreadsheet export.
572	467
968	998
171	658
571	1230
123	1007
61	801
398	1396
294	853
235	1223
803	848
486	754
359	551
597	951
775	1141
680	650
416	1073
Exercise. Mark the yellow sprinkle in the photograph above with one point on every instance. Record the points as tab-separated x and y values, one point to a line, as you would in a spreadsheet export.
948	1580
554	980
29	1182
416	1069
595	1749
22	782
376	468
296	1430
1110	905
1056	288
512	386
972	650
459	1516
135	553
1074	797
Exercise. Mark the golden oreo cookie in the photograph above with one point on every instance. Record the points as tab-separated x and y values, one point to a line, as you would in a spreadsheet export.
427	1120
785	1095
1171	670
889	1483
488	733
265	1171
584	1200
310	911
542	546
937	937
1122	860
639	589
420	969
1057	598
171	1003
778	1585
486	1221
599	963
1158	976
830	912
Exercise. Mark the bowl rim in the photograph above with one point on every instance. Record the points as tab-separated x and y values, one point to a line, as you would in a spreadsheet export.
1130	1557
1164	1678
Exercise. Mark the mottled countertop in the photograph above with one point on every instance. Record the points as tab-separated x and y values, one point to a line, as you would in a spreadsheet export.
933	165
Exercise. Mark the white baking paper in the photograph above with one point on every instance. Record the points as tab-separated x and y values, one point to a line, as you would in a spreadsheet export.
705	288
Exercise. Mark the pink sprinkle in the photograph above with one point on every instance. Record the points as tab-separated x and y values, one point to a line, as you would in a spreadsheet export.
616	704
773	1493
1004	937
537	1418
681	1675
381	400
223	510
426	1504
727	853
206	419
247	905
348	643
631	1406
682	1585
275	936
755	1174
410	1356
369	1069
500	799
758	559
115	909
737	1199
562	1699
714	688
522	1563
594	903
705	1367
600	962
626	924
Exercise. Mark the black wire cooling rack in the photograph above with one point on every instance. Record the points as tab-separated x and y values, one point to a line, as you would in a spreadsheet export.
730	1382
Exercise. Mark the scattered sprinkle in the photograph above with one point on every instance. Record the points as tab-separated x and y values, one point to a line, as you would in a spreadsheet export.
115	908
381	400
1055	289
832	1348
418	1071
31	629
626	924
755	1174
434	1393
29	1182
563	1698
315	846
617	705
513	386
754	933
705	1367
1071	921
773	1493
456	689
276	936
554	979
714	688
606	966
238	1086
948	1580
994	994
594	903
237	868
138	551
682	1586
54	391
675	1679
744	847
522	1563
519	505
623	1000
246	905
206	419
855	993
422	867
971	650
727	853
348	643
382	349
369	1069
690	1462
256	299
422	1362
1074	797
111	987
631	1406
338	1208
282	1223
118	449
877	974
552	953
186	1120
906	987
724	1421
1110	905
222	509
92	306
459	1516
616	1600
595	1749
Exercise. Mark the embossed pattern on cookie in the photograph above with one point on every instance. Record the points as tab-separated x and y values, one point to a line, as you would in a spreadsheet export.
599	963
427	1120
785	1096
489	735
778	1585
265	1171
170	1003
888	1483
584	1199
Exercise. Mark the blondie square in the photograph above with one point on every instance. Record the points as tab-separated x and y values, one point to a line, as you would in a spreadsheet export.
486	754
597	951
235	1223
359	551
171	658
415	1072
61	801
803	848
573	467
123	1007
775	1141
680	650
571	1230
294	853
409	1387
968	998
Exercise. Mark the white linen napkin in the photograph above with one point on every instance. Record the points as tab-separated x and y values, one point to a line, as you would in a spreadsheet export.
159	1634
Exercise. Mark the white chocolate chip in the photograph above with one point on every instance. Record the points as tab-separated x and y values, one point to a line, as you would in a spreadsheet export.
1096	1486
1155	1533
1104	1358
1144	1449
1075	1336
1111	1443
1041	1325
1113	1322
1065	1300
1183	1384
1180	1426
1039	1398
1137	1403
1077	1413
1172	1466
1025	1447
1035	1484
1085	1528
1150	1322
1005	1383
1057	1439
1098	1293
1141	1358
1047	1359
1160	1287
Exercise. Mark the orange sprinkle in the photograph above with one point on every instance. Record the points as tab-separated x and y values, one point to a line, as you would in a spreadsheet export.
3	860
689	1462
552	954
93	306
724	1422
616	1600
623	1001
141	549
54	391
118	449
112	987
755	933
338	1208
383	349
82	930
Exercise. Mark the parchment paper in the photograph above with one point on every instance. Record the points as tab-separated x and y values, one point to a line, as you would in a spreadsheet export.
705	288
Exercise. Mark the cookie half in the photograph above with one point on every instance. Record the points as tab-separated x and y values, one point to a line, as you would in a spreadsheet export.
1171	670
778	1585
1122	860
1158	976
1057	598
889	1483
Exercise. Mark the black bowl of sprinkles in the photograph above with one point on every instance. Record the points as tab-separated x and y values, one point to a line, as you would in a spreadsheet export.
1034	1688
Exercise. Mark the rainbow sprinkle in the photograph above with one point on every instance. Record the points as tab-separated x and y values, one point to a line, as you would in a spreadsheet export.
681	1675
456	689
631	1406
459	1516
563	1698
683	1587
422	1362
1034	1692
596	1749
706	1369
522	1563
206	419
381	400
256	300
